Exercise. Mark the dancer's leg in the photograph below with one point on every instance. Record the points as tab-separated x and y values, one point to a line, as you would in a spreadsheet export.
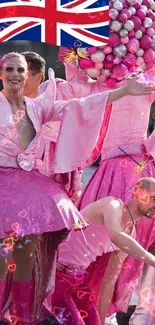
5	258
108	283
22	288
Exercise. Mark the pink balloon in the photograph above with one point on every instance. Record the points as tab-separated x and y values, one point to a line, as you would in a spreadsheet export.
109	58
148	65
125	40
122	18
137	22
111	82
149	55
117	60
101	78
107	49
133	45
150	32
140	14
145	42
91	50
143	29
86	63
113	39
120	71
98	66
127	13
125	6
132	2
108	65
151	14
129	60
137	6
131	34
140	61
147	3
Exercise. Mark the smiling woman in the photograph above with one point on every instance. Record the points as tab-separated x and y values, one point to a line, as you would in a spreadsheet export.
29	222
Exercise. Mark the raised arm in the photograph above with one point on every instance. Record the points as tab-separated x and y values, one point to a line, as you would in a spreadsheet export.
81	84
125	242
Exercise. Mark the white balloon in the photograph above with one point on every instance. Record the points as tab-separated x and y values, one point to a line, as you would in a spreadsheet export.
98	57
132	10
147	22
140	52
144	8
93	72
115	26
153	6
129	25
118	5
138	34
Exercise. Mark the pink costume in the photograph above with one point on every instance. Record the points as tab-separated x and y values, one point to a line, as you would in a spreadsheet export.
32	201
125	126
72	294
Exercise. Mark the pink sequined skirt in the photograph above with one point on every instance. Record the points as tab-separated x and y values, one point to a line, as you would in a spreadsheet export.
32	203
116	177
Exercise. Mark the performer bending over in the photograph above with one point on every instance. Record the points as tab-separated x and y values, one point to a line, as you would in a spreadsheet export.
114	229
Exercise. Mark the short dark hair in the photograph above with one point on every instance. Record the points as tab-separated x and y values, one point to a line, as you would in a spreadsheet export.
36	62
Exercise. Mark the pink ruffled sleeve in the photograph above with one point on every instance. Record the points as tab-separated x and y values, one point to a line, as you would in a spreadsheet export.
79	132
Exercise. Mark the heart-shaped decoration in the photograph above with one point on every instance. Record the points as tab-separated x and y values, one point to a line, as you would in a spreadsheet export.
20	114
126	266
26	161
80	294
123	163
22	213
8	242
14	236
77	43
83	313
12	267
14	119
16	227
145	198
13	319
79	274
92	298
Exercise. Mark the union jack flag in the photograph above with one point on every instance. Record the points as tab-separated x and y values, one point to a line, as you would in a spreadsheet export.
74	23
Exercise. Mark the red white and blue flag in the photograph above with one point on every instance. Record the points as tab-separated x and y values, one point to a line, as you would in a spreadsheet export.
75	23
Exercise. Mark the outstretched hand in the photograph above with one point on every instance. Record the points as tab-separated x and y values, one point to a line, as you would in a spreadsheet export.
136	88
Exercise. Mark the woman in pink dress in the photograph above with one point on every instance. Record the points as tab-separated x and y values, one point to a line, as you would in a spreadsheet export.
39	139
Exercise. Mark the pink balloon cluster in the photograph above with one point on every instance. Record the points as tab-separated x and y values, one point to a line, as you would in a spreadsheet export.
131	42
